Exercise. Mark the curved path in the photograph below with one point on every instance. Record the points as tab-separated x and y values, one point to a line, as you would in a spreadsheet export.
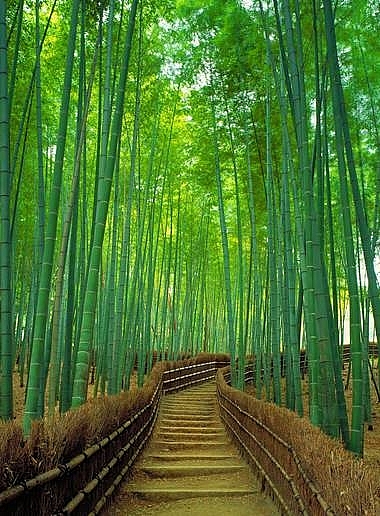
190	466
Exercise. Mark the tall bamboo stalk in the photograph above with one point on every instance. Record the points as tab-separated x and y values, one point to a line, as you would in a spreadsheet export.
342	146
6	315
42	310
340	116
225	248
85	343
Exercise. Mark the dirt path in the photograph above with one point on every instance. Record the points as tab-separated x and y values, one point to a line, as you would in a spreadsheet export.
190	467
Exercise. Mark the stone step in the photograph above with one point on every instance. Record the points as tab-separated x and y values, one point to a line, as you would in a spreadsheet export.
203	398
200	395
180	409
182	470
191	487
191	405
228	453
190	423
191	428
161	494
183	445
188	417
171	435
244	505
192	395
190	467
184	411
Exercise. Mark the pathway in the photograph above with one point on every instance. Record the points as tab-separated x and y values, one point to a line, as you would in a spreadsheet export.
190	466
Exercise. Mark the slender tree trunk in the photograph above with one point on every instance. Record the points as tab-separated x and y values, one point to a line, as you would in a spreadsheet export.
44	292
340	114
343	145
6	317
226	253
85	343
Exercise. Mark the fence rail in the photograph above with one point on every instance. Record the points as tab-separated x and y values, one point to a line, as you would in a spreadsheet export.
345	354
275	461
187	376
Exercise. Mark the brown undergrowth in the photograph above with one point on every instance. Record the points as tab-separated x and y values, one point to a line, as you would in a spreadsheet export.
351	485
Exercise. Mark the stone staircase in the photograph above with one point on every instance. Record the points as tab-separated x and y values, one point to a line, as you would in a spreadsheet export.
190	466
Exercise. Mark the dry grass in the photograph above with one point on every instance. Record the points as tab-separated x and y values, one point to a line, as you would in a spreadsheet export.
57	440
349	484
15	461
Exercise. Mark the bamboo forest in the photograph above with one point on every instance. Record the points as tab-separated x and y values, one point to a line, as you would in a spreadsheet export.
187	176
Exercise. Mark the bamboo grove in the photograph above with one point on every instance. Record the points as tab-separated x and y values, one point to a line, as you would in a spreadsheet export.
191	176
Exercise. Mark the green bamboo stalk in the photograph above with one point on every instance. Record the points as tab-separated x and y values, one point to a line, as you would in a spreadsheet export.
84	98
165	276
85	344
356	443
28	100
225	249
40	188
343	145
108	311
340	114
33	391
290	285
320	338
6	312
274	314
254	262
13	74
241	344
168	286
176	287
